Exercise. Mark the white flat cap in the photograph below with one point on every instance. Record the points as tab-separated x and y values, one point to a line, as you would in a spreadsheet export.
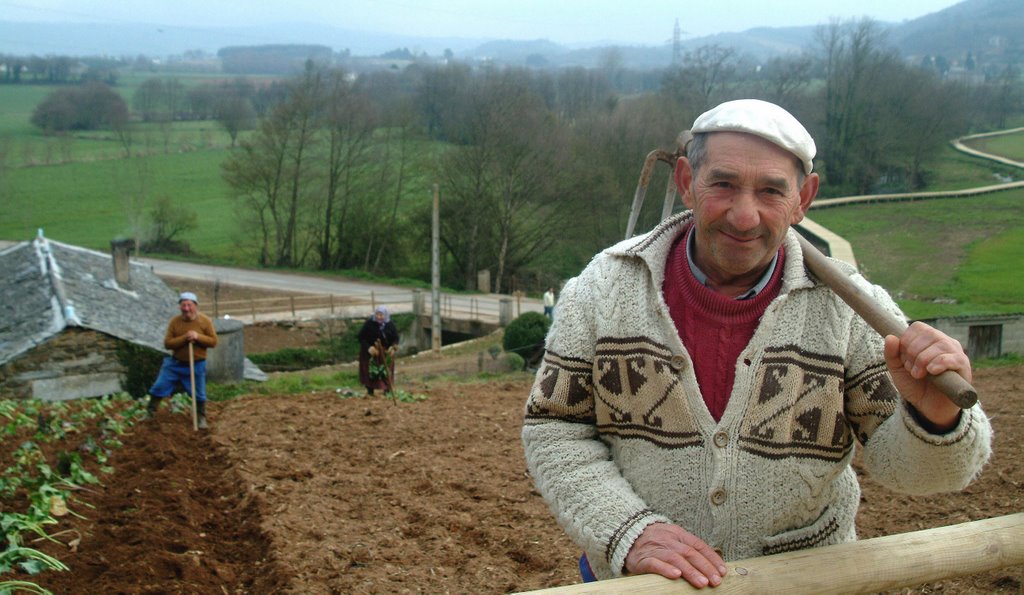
188	295
763	119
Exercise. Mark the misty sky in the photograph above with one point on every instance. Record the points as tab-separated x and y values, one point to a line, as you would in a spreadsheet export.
562	21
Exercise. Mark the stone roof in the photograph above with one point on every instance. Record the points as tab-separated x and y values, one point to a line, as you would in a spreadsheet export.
47	286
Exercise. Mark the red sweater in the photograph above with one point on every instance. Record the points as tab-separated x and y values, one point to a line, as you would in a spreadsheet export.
714	328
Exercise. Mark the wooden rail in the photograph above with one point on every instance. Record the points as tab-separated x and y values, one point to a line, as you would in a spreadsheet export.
866	566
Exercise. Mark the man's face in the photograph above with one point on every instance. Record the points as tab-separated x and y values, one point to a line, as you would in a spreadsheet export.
744	198
188	309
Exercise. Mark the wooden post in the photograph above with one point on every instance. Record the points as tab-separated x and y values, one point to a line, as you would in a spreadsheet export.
435	274
291	301
867	566
252	306
332	303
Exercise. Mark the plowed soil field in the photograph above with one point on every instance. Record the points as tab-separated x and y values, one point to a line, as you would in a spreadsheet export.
323	493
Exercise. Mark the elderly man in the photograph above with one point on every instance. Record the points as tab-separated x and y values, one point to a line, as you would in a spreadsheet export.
191	327
701	394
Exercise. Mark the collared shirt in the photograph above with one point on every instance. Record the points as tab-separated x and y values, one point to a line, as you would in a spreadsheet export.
691	242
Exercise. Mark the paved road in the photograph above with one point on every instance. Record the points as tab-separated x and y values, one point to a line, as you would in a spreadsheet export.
279	281
398	299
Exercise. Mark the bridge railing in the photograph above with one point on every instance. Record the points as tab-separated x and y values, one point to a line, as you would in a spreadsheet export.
304	305
463	307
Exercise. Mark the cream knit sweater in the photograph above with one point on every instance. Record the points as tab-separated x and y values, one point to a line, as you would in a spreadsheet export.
617	436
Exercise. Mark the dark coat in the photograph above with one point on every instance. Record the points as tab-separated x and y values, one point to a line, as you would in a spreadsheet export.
368	335
372	331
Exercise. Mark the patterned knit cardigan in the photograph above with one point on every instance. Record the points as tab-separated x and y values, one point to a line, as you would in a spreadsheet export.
617	436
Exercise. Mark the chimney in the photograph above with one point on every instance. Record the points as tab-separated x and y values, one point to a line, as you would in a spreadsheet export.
121	249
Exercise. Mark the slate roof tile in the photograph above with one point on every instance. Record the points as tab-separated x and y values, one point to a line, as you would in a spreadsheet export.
46	286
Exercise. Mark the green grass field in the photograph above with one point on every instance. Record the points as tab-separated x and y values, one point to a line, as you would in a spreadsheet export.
91	203
1010	146
940	257
22	144
956	171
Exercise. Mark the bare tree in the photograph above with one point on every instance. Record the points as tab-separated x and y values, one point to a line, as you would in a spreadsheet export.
784	79
501	186
348	126
235	114
703	77
394	162
148	99
919	113
170	219
437	97
270	173
580	91
853	57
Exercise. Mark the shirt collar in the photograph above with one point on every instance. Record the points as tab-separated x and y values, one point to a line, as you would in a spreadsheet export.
691	242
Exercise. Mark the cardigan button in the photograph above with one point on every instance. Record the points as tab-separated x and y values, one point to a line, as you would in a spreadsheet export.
678	362
718	497
721	439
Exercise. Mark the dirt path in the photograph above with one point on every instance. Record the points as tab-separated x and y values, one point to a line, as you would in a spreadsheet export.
321	494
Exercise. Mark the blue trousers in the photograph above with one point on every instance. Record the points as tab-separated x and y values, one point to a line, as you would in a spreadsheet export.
585	572
174	373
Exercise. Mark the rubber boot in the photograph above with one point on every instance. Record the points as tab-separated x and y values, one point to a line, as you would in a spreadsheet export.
154	402
201	413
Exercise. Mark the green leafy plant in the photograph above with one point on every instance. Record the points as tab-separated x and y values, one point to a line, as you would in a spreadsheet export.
406	396
30	560
378	370
525	336
11	587
140	364
47	484
16	523
514	361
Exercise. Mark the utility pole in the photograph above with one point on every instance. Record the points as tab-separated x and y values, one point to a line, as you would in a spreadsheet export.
435	275
677	48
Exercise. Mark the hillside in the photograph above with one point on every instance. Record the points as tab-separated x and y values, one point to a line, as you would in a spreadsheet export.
990	28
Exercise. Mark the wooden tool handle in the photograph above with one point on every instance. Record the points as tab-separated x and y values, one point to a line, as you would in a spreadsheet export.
192	378
949	382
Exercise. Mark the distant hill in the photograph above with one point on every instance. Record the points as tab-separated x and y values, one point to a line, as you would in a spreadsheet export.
983	27
993	29
990	28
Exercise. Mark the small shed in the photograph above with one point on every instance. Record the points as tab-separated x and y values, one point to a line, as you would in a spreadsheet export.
64	311
985	336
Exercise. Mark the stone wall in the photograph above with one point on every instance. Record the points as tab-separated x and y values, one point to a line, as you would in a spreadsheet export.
966	329
74	364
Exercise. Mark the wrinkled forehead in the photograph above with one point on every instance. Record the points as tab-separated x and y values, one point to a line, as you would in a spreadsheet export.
714	149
